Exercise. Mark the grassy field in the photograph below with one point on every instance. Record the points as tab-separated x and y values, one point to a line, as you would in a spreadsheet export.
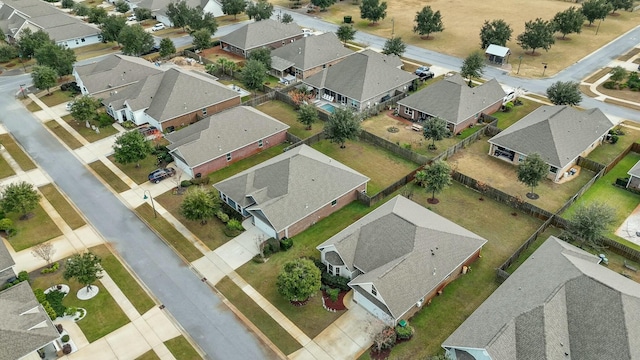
169	233
37	229
109	177
23	160
63	135
149	355
57	97
5	169
286	114
138	174
506	119
182	349
381	166
245	164
607	152
62	206
123	278
89	133
258	317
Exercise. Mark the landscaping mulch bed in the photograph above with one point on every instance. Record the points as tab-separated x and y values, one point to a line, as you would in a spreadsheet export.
337	305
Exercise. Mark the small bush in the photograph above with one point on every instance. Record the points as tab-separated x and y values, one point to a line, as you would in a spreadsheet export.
7	53
614	139
258	259
333	294
266	249
507	107
6	224
234	224
23	276
68	4
404	332
286	244
59	328
185	183
104	120
66	349
274	245
319	264
52	313
40	296
71	311
55	300
335	281
52	269
611	85
65	338
215	43
222	216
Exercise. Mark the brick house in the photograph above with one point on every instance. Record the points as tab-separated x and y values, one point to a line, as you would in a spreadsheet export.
453	101
224	138
292	191
267	33
400	256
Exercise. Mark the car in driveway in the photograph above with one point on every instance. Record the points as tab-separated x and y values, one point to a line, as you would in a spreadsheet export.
307	32
424	72
69	105
132	18
158	26
160	174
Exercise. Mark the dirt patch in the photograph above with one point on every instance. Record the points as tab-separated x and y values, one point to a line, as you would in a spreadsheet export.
595	77
216	52
186	63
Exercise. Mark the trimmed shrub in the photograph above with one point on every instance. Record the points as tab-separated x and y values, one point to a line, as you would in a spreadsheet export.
52	313
614	139
611	85
23	276
319	264
404	332
274	245
59	328
185	183
40	296
222	216
8	52
67	4
507	107
71	311
333	294
286	244
65	338
335	281
66	349
234	224
6	224
55	300
385	339
104	120
48	270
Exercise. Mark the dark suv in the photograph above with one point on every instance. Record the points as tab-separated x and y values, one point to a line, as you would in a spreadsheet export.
160	174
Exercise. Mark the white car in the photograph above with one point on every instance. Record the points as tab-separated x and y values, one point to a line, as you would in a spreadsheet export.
158	26
132	18
69	105
307	32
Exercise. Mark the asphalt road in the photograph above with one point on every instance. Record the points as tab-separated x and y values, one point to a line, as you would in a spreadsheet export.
192	303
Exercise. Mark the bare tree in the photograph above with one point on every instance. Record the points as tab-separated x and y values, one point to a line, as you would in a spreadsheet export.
176	179
44	251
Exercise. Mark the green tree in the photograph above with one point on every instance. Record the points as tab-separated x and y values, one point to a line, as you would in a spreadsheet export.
564	93
537	34
97	15
618	74
620	4
436	178
298	280
30	41
19	197
202	39
568	21
472	66
85	108
263	55
428	22
496	32
142	13
201	21
323	4
44	77
179	14
85	268
135	40
394	46
233	7
254	74
595	10
435	129
346	33
225	64
307	115
531	171
590	221
343	125
122	6
286	18
373	10
67	4
111	27
58	57
131	147
8	52
81	9
200	204
260	10
166	47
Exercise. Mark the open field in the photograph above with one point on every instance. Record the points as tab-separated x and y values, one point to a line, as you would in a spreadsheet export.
16	152
37	229
286	114
63	135
62	206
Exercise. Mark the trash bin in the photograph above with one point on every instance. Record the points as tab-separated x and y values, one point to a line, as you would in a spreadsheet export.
347	19
402	323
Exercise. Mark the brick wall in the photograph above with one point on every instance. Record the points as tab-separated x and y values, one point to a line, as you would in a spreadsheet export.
193	116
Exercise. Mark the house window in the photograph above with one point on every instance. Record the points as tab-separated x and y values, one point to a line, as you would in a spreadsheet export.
260	144
224	197
204	111
337	271
553	169
478	114
330	268
521	158
334	202
374	292
239	208
229	157
408	111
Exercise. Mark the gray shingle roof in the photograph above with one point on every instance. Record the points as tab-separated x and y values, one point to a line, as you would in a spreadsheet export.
393	246
260	33
312	51
6	261
222	133
452	100
635	170
558	133
292	185
115	71
362	75
25	326
559	300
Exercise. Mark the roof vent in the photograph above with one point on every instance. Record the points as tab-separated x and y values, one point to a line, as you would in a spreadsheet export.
432	253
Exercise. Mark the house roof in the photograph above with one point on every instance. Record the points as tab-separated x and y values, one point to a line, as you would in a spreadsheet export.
261	33
222	133
404	250
497	50
558	133
6	261
114	71
453	100
161	5
635	170
292	185
25	326
560	300
312	51
362	76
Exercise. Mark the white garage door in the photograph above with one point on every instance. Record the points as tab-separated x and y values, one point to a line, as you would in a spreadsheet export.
266	228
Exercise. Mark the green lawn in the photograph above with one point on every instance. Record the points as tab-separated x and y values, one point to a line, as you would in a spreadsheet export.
286	114
169	233
62	206
33	107
506	119
63	135
605	153
56	98
37	229
138	174
123	278
244	164
109	177
23	160
182	349
381	166
104	315
5	169
149	355
88	133
263	321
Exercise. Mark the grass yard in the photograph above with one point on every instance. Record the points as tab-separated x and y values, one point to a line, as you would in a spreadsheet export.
16	152
94	50
149	355
169	233
138	174
506	119
124	279
623	104
475	161
624	94
286	114
37	229
33	107
63	135
212	234
599	74
533	247
88	133
258	317
62	206
182	349
109	177
605	153
104	315
381	166
246	163
5	169
311	318
57	97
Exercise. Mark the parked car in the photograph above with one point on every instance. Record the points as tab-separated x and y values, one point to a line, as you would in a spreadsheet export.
511	95
132	18
69	105
158	26
307	32
424	72
160	174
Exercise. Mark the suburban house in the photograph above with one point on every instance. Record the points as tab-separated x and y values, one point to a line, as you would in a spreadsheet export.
65	30
559	134
634	177
6	264
308	56
361	80
267	33
26	327
399	257
559	304
292	191
159	8
453	101
224	138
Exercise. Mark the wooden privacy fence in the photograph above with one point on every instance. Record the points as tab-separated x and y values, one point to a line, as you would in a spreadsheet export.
394	148
259	99
372	200
308	141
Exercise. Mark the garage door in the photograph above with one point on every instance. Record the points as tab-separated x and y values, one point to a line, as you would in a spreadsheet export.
266	228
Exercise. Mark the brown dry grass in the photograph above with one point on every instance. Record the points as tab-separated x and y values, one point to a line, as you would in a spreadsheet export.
595	77
585	89
624	94
629	55
620	103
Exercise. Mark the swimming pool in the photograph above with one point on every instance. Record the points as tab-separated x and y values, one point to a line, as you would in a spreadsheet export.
328	107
